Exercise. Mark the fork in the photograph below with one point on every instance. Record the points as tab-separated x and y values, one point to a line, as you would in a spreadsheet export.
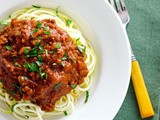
144	103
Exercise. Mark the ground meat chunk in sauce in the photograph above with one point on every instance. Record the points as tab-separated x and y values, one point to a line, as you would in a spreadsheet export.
39	62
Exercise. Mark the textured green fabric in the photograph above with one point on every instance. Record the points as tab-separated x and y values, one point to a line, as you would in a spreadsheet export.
144	35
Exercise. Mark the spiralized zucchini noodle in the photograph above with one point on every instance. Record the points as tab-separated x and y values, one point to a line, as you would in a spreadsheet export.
25	110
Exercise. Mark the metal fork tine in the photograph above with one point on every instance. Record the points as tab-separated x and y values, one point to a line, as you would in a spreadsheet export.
123	4
112	3
119	9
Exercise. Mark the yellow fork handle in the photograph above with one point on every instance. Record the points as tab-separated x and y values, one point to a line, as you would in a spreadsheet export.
144	103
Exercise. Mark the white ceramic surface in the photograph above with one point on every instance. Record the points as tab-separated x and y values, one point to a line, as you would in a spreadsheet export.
101	25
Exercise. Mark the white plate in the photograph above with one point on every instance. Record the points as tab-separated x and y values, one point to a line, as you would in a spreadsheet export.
101	25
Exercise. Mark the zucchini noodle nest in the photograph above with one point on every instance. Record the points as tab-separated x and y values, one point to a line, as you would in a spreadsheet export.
25	110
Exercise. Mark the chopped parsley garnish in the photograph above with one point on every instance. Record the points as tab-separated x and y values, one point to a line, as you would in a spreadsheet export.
57	10
40	58
63	64
39	25
87	96
36	42
58	45
68	22
26	51
52	52
17	64
81	48
46	27
47	32
38	63
42	74
31	67
41	47
73	60
24	78
76	42
8	47
73	85
34	30
57	85
46	51
33	52
12	107
4	22
36	6
46	75
65	56
65	113
39	37
19	88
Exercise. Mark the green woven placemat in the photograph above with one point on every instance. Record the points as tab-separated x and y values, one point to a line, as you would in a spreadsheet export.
144	34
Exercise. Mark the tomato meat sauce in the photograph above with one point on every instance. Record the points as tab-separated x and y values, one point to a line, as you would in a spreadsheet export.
39	62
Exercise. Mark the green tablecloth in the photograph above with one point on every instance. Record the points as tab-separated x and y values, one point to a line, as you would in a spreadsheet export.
144	34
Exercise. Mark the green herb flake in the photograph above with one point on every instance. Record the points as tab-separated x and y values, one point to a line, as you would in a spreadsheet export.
46	27
74	61
38	63
39	25
26	65
87	96
24	78
41	73
19	88
21	92
65	113
4	22
52	52
46	75
57	10
8	47
40	58
36	6
39	37
73	86
47	32
33	52
65	56
63	64
81	48
58	45
17	64
68	22
41	47
26	51
31	67
57	85
36	42
12	107
34	30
